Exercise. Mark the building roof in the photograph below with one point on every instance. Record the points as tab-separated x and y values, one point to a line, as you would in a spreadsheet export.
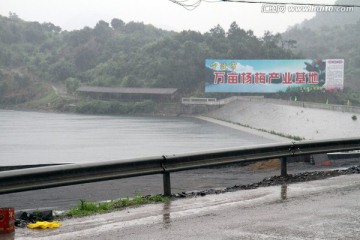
156	91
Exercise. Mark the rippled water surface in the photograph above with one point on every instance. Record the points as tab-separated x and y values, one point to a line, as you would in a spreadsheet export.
39	138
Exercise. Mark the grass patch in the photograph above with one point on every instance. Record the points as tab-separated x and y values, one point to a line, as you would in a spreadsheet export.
296	138
139	200
85	208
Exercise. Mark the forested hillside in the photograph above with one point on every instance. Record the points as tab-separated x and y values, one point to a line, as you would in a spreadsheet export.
34	56
332	35
333	19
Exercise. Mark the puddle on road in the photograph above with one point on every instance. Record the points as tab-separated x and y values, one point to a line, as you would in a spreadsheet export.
284	190
166	215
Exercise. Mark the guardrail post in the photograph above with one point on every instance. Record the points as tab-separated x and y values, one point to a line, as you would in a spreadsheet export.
283	166
166	179
167	184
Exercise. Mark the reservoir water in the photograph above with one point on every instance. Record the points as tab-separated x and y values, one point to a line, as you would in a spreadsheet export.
45	138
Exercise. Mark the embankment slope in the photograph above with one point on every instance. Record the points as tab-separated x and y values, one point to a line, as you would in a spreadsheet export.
309	123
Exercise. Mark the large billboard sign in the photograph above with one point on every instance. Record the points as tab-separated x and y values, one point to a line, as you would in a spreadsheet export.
271	76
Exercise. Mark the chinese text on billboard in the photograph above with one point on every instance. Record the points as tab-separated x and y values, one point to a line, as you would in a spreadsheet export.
269	76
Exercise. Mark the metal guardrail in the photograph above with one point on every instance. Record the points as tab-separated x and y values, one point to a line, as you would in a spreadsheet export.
70	174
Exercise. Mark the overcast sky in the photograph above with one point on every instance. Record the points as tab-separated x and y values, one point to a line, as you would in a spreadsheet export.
76	14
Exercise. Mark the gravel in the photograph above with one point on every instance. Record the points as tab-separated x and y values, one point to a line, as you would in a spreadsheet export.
273	181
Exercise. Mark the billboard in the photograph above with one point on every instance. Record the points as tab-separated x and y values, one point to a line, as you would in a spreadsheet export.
271	76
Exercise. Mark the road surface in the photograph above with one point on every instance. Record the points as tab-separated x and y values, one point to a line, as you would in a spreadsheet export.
323	209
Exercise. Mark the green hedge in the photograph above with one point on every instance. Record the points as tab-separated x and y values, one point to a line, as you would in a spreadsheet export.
114	107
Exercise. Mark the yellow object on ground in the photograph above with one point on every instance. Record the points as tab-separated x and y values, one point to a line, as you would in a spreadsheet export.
44	225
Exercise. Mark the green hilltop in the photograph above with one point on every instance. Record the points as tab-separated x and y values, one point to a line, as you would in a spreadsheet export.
35	56
39	60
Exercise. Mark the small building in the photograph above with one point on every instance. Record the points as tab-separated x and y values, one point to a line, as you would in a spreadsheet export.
128	94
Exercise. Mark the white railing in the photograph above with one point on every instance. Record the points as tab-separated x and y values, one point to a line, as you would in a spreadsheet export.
207	101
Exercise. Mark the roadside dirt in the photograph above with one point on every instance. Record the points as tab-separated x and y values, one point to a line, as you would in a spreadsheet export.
271	164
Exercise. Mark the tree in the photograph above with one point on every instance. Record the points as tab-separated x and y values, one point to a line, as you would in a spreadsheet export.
78	37
72	84
238	42
271	40
13	16
86	58
235	33
34	33
102	32
217	42
117	24
131	81
62	70
51	27
289	44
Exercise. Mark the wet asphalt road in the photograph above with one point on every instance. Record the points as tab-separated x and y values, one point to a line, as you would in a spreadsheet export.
323	209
